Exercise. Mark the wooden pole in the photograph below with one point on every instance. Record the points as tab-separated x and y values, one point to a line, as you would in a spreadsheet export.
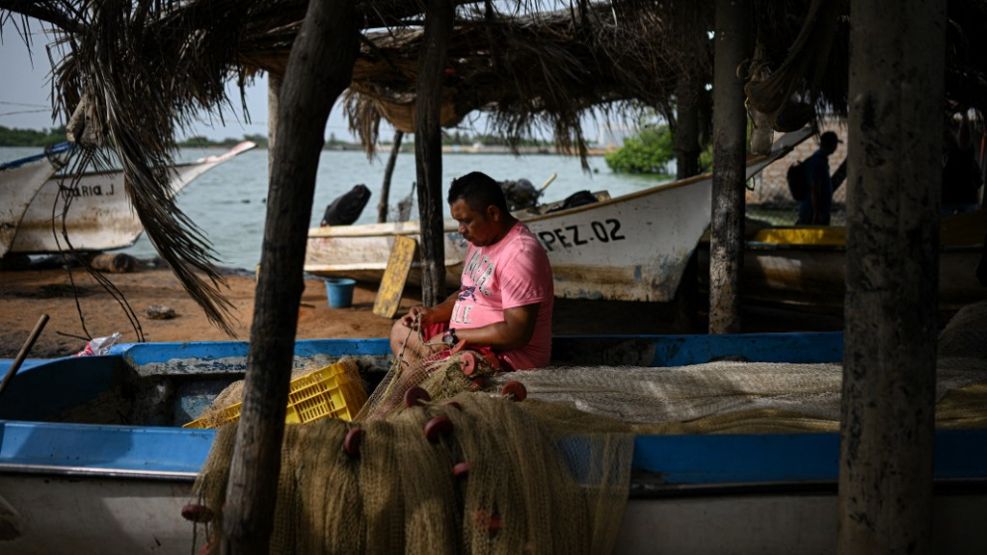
319	69
687	92
428	146
895	151
385	187
273	103
25	349
692	46
726	246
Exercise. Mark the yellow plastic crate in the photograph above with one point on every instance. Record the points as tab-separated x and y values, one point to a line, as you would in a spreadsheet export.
333	391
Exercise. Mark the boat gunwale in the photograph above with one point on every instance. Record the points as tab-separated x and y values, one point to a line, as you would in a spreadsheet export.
362	231
95	472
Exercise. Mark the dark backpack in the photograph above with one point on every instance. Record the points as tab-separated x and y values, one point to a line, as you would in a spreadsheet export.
798	185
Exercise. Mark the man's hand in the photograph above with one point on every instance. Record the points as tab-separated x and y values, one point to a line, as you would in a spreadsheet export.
418	315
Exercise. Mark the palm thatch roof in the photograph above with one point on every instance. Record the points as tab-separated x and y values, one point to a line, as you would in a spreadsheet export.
142	70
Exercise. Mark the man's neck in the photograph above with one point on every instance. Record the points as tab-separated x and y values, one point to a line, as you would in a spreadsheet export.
508	225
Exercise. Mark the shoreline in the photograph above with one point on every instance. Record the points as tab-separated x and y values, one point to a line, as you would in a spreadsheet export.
25	294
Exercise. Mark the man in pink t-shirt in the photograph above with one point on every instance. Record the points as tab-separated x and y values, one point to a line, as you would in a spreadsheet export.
506	294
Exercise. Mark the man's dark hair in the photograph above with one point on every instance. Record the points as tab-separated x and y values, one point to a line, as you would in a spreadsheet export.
479	190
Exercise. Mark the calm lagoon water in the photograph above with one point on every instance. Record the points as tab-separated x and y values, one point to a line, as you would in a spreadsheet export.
227	203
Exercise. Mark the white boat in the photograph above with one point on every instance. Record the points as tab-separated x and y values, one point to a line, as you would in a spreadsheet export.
632	248
100	216
20	181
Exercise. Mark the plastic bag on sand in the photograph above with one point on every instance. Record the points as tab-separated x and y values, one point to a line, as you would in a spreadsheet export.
99	346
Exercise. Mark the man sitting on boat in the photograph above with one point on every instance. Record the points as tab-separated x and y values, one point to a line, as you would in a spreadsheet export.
506	295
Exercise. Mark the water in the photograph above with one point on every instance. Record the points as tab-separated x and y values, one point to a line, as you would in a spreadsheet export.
228	202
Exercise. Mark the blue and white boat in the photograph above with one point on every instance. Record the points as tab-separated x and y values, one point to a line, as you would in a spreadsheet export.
119	488
20	181
98	215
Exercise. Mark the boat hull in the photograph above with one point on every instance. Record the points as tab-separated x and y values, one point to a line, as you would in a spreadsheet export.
806	523
789	274
19	185
109	515
807	265
99	216
629	248
71	488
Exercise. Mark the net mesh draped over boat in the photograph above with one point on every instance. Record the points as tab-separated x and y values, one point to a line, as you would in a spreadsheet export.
533	486
549	474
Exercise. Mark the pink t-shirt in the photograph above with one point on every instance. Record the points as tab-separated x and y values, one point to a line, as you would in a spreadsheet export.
510	273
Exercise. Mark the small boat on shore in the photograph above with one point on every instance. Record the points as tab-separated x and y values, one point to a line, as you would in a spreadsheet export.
634	247
100	216
806	265
82	472
20	181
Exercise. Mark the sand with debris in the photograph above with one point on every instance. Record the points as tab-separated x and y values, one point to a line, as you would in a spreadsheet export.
26	294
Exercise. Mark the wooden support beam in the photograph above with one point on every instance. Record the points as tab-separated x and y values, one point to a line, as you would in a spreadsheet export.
385	187
895	150
726	245
688	92
319	69
439	16
273	103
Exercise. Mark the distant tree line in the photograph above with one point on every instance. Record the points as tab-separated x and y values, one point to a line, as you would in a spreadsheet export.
41	138
465	139
650	151
199	141
31	137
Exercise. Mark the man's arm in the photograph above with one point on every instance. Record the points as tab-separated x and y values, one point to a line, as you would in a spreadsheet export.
817	178
839	176
438	314
514	332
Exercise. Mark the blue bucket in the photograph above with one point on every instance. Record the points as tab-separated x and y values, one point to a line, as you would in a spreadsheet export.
339	292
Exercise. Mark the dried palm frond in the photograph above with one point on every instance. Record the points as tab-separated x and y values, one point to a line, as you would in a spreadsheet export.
146	70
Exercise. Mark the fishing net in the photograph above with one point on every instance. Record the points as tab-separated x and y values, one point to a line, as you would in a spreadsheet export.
441	375
471	471
528	485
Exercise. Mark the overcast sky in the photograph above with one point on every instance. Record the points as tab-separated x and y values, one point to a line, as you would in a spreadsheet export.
25	97
26	87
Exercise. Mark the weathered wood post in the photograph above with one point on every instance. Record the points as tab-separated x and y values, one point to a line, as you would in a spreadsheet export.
273	103
690	19
439	16
385	187
687	96
319	68
726	245
895	149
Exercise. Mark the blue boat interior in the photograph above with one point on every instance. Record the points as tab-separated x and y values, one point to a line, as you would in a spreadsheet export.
170	384
119	413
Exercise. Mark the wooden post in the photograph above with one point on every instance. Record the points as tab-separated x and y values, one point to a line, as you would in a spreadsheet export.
319	69
428	146
726	245
687	93
895	151
273	96
385	187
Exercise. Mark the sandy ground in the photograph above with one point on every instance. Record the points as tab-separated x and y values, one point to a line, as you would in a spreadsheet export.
26	294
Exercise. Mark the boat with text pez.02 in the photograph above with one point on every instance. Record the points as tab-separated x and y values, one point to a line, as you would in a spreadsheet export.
634	247
93	457
99	216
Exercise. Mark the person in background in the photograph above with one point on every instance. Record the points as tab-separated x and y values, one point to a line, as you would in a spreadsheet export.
506	295
961	175
816	206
